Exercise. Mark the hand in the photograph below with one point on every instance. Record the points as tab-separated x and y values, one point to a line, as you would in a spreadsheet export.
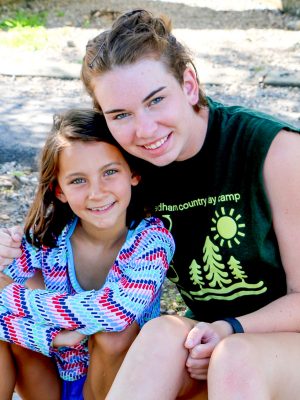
10	242
67	338
4	280
201	342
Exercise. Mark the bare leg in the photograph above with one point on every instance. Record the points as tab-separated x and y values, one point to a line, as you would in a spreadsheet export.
256	366
33	375
107	351
154	367
7	372
37	376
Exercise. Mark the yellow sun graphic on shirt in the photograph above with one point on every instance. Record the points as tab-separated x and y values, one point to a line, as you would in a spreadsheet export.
227	227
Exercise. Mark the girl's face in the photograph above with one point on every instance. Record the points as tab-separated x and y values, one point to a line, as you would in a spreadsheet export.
95	179
148	112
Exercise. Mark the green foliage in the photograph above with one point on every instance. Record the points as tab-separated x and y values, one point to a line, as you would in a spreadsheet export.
24	19
27	37
86	23
17	173
60	13
25	29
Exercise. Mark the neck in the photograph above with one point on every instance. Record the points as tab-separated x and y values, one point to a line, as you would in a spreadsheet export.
198	126
105	237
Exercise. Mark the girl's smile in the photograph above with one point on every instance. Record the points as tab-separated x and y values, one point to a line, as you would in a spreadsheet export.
95	180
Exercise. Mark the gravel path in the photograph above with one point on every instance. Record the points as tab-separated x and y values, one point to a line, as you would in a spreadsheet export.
237	44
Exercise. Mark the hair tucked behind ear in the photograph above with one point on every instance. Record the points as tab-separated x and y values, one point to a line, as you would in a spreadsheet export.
135	35
47	215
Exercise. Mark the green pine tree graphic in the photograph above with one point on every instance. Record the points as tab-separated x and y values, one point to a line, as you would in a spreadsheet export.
236	269
213	265
196	274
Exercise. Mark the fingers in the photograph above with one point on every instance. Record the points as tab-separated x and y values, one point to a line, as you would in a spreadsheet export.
7	255
198	360
10	242
197	368
201	333
194	337
200	342
11	236
203	350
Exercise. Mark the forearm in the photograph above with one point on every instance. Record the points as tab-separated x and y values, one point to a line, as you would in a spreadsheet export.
26	333
282	315
111	308
127	295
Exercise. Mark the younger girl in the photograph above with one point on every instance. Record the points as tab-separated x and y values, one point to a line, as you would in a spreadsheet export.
103	266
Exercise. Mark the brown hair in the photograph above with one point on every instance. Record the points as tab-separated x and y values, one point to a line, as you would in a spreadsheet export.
47	215
134	35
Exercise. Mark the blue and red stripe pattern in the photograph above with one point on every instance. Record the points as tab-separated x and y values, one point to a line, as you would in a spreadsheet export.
130	293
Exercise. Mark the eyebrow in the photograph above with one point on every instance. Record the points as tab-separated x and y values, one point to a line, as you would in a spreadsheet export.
153	93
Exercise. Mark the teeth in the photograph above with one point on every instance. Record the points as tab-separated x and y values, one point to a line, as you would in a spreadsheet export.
157	144
100	208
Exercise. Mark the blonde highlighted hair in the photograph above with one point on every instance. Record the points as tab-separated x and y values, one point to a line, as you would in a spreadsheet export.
133	36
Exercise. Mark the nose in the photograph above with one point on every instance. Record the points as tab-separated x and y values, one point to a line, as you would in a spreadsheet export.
96	189
146	126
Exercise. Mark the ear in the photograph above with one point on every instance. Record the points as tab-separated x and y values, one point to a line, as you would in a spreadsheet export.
191	86
135	179
59	194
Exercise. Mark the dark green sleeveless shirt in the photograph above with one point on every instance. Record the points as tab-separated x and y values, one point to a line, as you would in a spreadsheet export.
227	261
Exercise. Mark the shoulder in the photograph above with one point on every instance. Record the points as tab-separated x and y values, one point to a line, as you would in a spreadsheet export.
284	153
149	233
282	170
151	224
66	233
235	117
282	182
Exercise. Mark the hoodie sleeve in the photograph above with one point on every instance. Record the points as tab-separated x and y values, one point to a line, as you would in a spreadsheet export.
141	269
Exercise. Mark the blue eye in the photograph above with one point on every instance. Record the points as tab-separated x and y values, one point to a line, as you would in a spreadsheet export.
156	100
121	116
110	172
78	181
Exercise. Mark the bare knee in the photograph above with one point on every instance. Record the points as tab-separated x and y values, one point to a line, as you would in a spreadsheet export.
166	330
165	337
113	343
233	350
233	368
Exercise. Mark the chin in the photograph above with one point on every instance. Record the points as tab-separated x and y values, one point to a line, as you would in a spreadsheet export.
162	161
